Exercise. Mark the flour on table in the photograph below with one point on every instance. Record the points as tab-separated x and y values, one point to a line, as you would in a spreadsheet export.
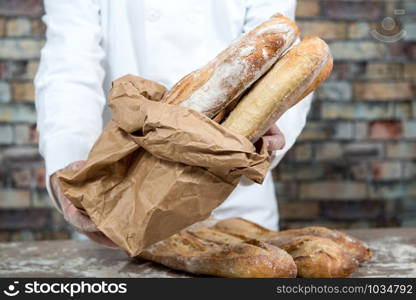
393	255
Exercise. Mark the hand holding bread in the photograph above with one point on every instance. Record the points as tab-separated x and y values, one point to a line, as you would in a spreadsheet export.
247	88
156	168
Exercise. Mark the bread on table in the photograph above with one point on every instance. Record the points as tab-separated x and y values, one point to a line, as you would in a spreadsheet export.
317	251
317	257
350	244
236	247
210	252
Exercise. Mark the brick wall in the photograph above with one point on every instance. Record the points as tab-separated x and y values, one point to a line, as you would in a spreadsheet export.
354	165
25	208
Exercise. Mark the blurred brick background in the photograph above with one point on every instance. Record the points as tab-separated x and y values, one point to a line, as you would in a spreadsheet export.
355	163
26	211
353	166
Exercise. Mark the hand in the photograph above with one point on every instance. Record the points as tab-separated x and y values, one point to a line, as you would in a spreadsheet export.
80	222
274	138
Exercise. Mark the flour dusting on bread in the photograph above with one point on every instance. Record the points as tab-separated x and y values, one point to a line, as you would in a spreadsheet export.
211	88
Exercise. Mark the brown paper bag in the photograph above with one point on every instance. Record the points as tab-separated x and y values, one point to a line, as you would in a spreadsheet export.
157	168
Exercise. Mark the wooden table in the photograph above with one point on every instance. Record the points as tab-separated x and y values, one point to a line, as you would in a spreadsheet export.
394	256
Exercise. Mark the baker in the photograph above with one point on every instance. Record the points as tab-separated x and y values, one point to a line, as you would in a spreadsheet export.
92	42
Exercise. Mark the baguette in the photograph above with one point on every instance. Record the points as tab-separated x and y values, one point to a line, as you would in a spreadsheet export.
323	75
350	244
317	251
236	247
209	89
294	76
317	257
355	247
210	252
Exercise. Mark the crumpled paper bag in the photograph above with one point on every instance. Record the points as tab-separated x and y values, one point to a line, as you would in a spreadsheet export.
157	168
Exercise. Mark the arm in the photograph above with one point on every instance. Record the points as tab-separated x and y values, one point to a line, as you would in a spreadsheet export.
70	97
69	93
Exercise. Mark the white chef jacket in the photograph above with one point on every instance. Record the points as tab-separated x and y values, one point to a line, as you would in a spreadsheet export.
93	42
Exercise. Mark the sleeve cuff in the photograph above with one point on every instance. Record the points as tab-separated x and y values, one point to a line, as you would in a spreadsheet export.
52	194
59	152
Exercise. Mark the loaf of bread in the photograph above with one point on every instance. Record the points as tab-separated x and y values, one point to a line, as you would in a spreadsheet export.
317	251
355	247
323	75
294	76
317	257
211	88
210	252
320	78
236	247
358	250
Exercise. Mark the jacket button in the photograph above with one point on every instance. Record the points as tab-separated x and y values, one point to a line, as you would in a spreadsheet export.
153	15
193	19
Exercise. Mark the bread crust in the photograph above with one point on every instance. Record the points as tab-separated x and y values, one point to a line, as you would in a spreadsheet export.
236	247
317	251
211	88
323	75
357	248
318	257
350	244
210	252
294	76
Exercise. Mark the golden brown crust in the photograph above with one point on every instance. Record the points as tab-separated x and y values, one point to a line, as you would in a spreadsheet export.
323	75
317	251
226	111
236	247
209	89
354	246
296	74
317	257
211	252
